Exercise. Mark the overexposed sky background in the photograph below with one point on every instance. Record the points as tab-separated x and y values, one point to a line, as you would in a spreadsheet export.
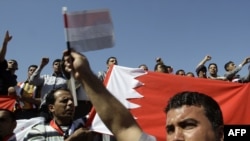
181	32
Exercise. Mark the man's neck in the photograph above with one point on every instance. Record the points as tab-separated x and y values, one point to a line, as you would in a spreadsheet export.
213	75
63	121
57	74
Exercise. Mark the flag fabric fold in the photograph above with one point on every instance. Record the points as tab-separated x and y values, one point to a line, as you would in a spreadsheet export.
123	90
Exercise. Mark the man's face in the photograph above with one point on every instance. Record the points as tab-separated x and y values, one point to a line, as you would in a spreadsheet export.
112	61
212	69
161	68
189	123
56	67
231	66
31	71
6	124
12	65
202	74
144	67
63	106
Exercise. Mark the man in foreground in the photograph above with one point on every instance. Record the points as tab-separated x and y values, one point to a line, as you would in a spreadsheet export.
193	116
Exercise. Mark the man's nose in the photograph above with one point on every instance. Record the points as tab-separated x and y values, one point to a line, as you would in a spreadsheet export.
178	135
70	102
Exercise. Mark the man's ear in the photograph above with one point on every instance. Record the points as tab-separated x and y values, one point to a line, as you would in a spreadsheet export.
221	133
51	108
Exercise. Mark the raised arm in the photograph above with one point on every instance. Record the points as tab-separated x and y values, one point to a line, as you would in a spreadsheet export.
230	74
204	60
3	50
35	78
246	78
122	125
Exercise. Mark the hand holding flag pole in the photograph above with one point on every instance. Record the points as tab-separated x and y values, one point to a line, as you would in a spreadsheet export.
86	31
72	80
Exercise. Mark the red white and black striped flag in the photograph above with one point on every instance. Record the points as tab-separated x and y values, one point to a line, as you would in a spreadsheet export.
88	30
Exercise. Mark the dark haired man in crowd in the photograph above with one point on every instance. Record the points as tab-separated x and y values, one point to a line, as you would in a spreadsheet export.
8	79
59	124
194	116
232	71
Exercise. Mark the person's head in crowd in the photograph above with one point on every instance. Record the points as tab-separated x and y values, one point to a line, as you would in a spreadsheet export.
59	106
143	66
190	74
57	67
201	71
170	69
12	65
180	72
194	116
229	66
159	60
31	70
7	123
213	69
111	61
159	67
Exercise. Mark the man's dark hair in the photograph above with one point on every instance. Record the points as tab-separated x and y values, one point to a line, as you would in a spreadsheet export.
49	99
227	64
211	107
57	60
35	66
112	57
11	114
213	64
201	68
162	65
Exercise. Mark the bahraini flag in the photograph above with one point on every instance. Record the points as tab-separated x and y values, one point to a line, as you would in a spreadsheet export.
8	102
89	30
146	95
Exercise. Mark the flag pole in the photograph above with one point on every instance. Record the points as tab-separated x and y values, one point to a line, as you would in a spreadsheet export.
72	80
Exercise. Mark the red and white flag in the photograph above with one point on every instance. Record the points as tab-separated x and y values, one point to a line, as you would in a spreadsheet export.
7	102
146	95
89	30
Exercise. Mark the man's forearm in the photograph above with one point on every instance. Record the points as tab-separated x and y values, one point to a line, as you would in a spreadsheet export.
3	51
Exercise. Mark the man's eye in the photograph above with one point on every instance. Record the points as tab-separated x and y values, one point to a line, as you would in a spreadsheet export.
65	100
188	126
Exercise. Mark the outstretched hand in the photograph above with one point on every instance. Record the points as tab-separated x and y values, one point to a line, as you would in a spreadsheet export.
7	37
44	61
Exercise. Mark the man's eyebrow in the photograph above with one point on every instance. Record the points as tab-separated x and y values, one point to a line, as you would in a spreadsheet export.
188	120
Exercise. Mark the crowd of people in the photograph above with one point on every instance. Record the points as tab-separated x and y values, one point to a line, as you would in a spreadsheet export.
50	96
209	72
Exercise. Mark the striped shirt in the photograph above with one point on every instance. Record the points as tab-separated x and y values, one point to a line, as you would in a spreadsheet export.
45	132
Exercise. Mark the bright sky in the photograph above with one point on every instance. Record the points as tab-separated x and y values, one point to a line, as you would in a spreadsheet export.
181	32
